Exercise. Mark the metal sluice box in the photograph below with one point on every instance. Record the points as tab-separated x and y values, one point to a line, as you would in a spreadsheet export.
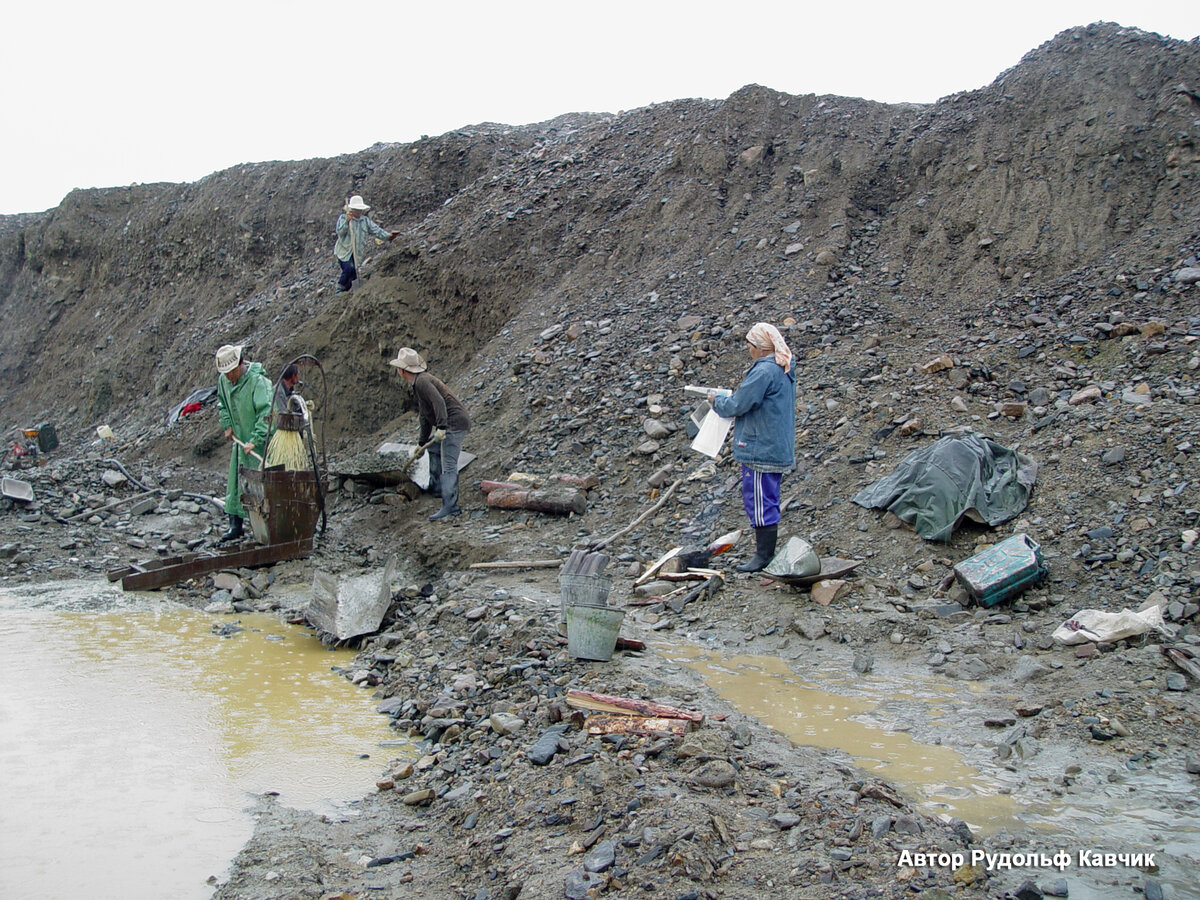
1002	571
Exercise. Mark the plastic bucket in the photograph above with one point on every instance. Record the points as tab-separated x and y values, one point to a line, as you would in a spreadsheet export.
582	590
592	631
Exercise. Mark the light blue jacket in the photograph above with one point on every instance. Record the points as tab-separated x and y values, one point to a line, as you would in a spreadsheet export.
353	237
764	412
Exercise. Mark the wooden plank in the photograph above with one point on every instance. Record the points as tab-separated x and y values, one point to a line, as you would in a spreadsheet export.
609	703
656	565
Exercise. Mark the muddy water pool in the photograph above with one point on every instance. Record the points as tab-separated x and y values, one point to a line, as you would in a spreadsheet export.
134	734
893	725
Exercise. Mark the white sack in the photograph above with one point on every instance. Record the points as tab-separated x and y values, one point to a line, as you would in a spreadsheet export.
1095	625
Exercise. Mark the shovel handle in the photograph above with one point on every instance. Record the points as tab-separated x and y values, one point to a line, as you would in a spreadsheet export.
246	447
415	455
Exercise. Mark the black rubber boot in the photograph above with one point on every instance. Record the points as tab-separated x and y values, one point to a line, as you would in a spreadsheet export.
235	529
764	552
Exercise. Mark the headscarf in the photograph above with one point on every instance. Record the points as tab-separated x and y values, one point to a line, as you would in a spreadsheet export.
767	337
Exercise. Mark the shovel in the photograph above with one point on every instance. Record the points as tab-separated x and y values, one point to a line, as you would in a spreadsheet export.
415	455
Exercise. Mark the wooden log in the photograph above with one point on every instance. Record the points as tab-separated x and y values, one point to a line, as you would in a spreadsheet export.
583	482
620	705
615	724
560	502
679	603
488	486
526	480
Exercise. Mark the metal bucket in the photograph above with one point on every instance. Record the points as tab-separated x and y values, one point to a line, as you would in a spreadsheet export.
592	632
283	504
289	421
582	590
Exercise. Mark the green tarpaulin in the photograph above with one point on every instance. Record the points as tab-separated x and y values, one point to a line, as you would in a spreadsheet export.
966	474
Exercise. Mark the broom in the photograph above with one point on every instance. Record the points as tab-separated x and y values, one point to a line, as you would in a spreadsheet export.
286	447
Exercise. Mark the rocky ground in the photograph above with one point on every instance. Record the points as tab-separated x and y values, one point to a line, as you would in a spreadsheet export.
1021	261
470	663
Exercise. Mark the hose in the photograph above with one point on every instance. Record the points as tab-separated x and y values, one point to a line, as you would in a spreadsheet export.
202	498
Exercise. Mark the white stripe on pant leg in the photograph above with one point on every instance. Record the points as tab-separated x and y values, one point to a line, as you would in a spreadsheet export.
758	500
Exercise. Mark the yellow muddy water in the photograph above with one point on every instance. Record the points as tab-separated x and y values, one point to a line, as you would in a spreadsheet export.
851	714
764	687
131	742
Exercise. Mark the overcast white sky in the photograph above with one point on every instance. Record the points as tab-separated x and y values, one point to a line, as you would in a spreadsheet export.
124	91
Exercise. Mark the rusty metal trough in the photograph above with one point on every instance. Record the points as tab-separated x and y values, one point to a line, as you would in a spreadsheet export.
157	573
283	504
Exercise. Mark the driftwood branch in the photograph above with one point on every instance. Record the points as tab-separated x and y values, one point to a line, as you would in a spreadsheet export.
624	705
634	524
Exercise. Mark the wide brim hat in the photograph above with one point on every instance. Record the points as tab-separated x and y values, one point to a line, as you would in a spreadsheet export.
228	357
409	360
356	202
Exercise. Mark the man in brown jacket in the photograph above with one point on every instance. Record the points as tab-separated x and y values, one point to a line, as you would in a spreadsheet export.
445	420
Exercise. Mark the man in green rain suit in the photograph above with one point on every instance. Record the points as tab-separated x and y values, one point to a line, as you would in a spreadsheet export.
243	406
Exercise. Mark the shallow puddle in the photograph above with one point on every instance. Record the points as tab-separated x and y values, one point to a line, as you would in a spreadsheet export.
764	687
131	740
1109	809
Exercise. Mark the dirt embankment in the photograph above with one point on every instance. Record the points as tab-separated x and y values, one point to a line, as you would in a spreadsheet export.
569	279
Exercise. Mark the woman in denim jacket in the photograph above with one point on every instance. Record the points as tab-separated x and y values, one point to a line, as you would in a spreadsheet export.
764	434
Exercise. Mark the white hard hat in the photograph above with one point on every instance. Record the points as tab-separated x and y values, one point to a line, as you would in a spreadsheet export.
228	357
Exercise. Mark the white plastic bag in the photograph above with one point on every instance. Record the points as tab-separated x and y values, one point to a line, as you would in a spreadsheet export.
712	434
1096	625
